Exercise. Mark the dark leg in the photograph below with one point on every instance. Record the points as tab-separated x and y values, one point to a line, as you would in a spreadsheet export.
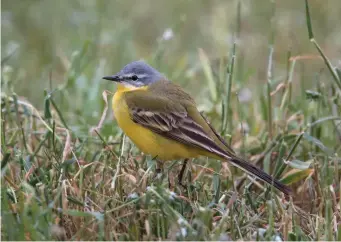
159	166
159	170
181	174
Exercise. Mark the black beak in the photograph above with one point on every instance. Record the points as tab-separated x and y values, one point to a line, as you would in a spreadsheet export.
114	78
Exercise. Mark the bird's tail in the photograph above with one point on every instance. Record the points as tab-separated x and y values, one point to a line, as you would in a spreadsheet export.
250	168
246	166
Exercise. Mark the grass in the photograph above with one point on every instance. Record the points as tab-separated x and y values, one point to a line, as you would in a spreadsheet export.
61	179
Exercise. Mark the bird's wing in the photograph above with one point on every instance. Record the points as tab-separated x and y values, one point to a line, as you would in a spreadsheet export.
170	119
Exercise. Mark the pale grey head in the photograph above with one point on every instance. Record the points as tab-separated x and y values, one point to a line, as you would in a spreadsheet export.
136	74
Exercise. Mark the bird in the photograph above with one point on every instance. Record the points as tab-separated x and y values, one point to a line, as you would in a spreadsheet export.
162	120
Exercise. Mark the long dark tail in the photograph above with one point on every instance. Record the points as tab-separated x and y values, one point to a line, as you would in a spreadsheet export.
246	166
250	168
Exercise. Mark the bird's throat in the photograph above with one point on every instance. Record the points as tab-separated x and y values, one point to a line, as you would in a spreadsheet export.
128	88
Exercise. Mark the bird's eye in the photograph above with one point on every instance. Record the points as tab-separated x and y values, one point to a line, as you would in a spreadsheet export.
134	78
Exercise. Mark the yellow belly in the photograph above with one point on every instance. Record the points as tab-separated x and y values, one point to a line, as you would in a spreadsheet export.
145	139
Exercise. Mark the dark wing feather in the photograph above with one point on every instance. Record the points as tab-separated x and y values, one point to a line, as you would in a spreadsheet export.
218	135
178	126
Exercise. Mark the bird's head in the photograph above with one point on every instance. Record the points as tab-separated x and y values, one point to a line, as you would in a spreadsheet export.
136	74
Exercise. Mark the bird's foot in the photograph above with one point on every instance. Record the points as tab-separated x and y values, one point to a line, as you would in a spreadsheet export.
158	176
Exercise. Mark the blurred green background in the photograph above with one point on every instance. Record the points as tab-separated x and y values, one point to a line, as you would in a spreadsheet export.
48	43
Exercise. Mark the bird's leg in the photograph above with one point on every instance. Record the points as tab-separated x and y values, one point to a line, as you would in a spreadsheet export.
159	167
158	170
181	174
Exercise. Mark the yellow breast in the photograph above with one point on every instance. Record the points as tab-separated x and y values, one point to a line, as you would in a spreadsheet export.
146	140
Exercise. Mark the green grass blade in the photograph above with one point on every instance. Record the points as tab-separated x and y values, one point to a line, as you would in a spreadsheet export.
307	12
311	38
205	62
328	64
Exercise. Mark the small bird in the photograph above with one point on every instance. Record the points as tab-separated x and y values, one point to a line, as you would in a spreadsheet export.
163	120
